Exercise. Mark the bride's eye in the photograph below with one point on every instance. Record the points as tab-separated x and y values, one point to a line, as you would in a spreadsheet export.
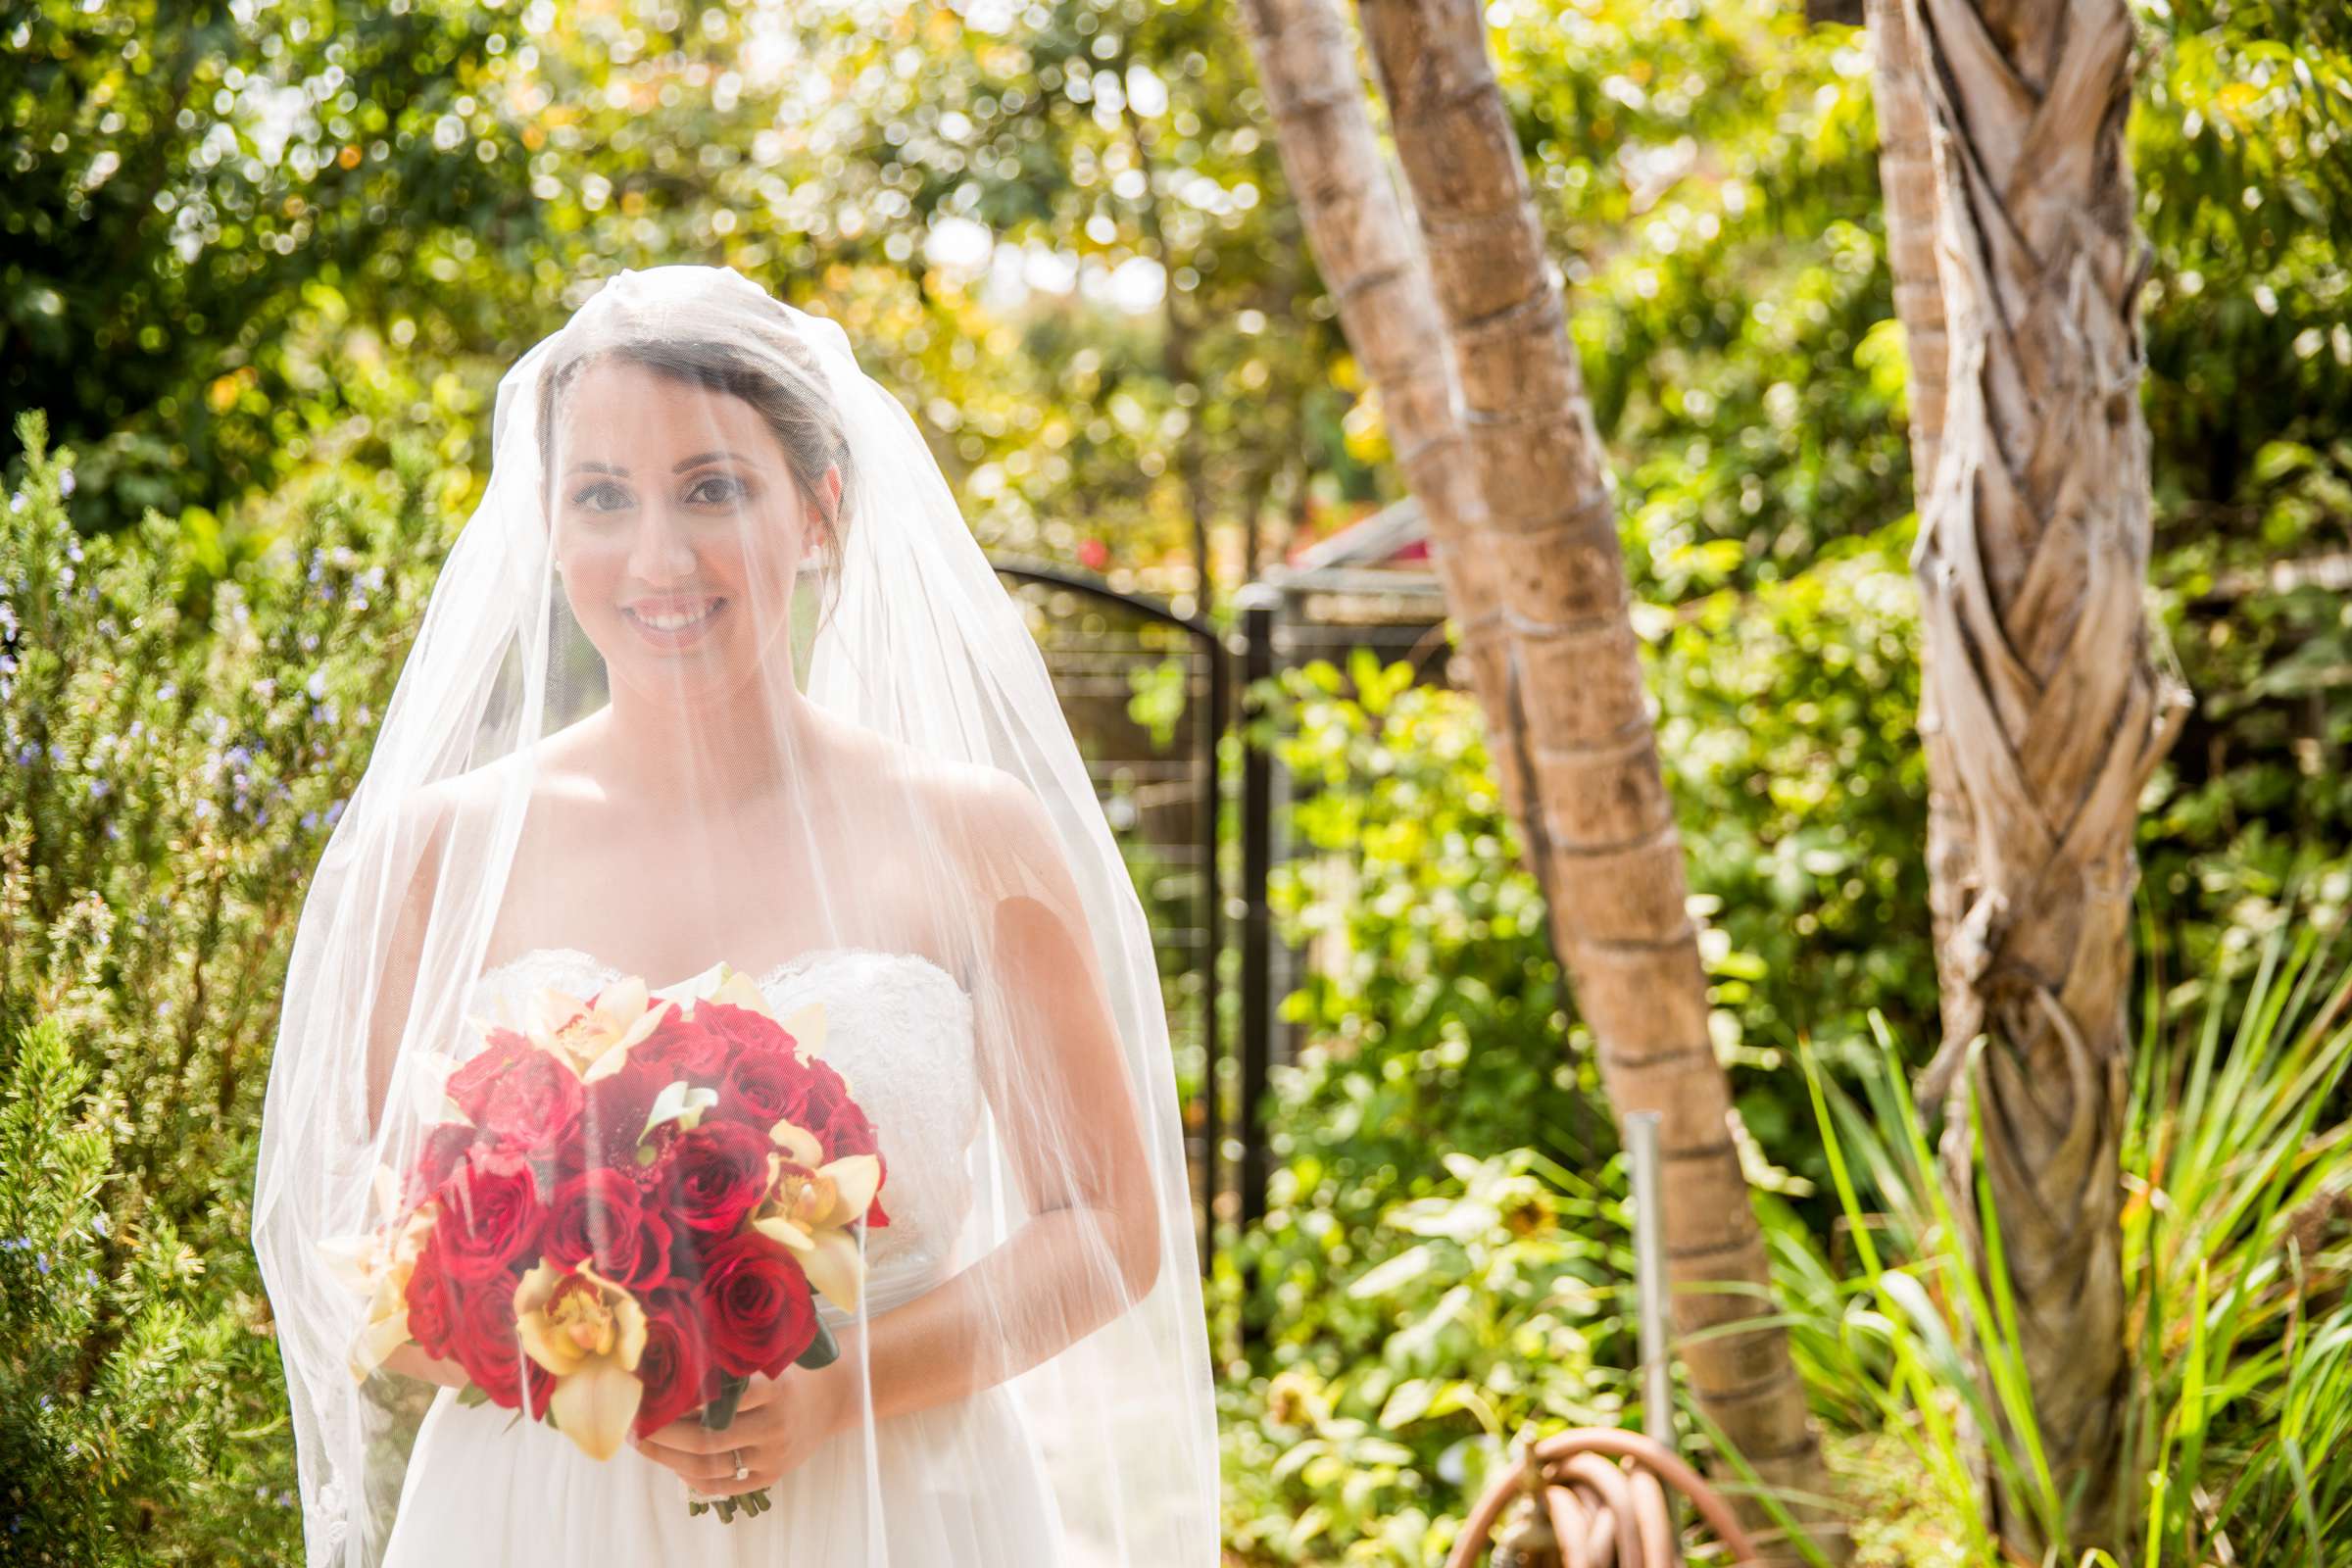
717	490
602	496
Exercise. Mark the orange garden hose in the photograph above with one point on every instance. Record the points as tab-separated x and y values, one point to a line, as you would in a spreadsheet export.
1597	1514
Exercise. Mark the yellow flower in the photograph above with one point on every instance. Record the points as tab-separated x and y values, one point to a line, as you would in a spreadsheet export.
377	1265
589	1333
595	1039
810	1208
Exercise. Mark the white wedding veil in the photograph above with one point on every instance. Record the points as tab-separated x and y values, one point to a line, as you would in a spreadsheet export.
716	672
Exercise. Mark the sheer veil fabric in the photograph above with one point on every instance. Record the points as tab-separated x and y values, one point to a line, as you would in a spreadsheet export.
717	673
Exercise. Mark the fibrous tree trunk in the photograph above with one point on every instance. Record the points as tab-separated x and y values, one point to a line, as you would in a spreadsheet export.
2031	565
1907	180
1356	229
1524	533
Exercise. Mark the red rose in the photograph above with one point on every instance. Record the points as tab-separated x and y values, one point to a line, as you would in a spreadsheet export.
741	1029
717	1173
846	1131
515	1093
485	1342
761	1085
840	1126
433	1310
757	1303
818	1101
682	1047
675	1367
443	1144
600	1217
491	1215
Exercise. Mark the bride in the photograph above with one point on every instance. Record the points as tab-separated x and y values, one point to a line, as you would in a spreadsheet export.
715	676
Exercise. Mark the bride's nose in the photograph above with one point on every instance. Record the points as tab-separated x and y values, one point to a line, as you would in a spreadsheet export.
661	551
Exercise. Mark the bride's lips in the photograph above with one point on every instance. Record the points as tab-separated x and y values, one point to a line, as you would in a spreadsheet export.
674	620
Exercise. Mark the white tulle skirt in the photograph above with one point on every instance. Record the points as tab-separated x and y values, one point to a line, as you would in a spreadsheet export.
953	1484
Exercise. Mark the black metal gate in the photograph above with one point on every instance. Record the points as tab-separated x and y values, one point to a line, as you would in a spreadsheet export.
1159	778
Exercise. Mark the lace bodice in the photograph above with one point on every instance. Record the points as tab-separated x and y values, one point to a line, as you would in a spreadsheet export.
898	1030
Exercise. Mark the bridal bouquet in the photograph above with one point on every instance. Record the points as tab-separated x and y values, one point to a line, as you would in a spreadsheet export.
625	1209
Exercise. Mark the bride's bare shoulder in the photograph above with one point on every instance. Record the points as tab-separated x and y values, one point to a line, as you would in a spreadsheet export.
1008	839
469	800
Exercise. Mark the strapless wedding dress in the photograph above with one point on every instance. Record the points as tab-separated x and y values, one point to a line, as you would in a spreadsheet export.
957	1484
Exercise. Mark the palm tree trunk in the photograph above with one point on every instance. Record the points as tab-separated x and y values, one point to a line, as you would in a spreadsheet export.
1525	532
2031	563
1356	229
1907	178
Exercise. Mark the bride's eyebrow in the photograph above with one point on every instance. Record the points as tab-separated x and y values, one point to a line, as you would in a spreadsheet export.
695	461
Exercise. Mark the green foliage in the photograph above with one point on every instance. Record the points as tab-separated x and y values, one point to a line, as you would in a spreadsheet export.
1434	1268
191	195
1426	938
172	773
1490	1305
1787	724
1437	1043
2236	1256
1046	228
106	1339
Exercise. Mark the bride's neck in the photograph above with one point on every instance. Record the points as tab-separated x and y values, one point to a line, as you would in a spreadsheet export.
765	747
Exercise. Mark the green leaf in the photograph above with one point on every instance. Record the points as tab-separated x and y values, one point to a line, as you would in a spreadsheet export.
720	1413
823	1351
1401	1270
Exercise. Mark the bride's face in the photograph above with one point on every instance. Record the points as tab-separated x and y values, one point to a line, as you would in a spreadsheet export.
679	528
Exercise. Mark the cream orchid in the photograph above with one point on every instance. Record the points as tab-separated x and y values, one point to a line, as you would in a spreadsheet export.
589	1333
722	982
377	1265
430	1087
595	1037
811	1207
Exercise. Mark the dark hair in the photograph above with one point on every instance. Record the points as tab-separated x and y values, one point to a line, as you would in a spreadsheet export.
795	406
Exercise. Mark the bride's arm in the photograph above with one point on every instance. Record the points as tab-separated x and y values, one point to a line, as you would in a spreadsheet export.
1057	1082
388	1019
425	822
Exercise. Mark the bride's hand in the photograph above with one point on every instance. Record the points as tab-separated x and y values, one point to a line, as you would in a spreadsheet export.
778	1423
